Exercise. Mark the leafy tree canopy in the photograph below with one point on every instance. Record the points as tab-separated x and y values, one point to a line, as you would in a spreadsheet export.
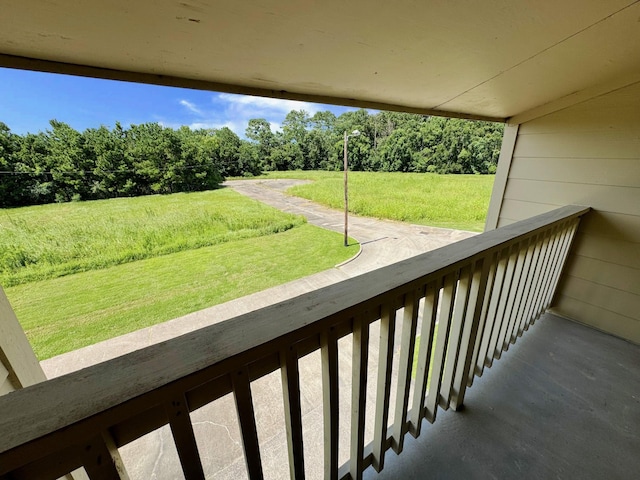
62	164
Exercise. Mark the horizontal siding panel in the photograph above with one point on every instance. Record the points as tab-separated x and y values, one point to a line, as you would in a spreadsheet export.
617	301
615	276
614	172
607	249
604	145
613	225
595	317
588	154
586	120
610	199
618	110
519	210
503	222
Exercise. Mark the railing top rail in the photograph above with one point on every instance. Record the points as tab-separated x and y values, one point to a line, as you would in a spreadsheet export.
36	411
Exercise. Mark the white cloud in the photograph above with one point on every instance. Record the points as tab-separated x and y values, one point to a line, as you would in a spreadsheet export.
239	109
261	104
235	111
191	106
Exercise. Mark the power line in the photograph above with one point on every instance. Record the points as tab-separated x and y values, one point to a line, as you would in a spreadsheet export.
92	172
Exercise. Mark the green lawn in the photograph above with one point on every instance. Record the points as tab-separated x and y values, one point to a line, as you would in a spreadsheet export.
451	201
49	241
78	273
73	311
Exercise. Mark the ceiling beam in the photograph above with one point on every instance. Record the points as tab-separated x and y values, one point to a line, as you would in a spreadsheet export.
24	63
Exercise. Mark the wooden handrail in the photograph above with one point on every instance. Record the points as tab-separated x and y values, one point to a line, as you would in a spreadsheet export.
489	289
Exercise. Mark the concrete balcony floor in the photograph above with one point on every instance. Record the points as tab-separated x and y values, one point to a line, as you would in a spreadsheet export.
564	402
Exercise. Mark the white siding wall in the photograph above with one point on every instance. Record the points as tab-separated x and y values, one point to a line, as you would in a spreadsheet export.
587	154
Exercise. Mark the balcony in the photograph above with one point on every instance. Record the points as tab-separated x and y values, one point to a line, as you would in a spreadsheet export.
414	335
563	403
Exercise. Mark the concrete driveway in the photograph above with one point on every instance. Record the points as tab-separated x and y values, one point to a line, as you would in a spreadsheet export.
383	241
216	425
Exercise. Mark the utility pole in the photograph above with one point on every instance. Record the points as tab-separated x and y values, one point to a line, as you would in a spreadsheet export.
355	133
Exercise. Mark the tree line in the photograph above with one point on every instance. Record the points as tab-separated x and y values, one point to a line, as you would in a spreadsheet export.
62	164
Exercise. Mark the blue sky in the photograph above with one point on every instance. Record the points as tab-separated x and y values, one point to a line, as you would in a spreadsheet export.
28	100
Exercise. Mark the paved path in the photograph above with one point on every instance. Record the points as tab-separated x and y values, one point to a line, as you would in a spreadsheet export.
383	241
216	425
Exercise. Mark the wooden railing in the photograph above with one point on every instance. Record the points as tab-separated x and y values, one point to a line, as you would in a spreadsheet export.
468	301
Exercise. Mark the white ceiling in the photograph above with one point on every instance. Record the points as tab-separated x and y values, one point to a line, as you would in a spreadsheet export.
490	58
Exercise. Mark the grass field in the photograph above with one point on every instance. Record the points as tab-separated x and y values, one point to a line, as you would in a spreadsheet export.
251	247
79	273
49	241
450	201
69	312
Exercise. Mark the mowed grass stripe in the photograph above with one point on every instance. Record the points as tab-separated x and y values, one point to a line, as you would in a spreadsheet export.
49	241
449	201
67	313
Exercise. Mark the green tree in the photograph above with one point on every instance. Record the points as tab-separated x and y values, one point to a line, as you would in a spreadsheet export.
397	151
199	166
249	159
105	150
360	147
259	132
31	161
70	169
63	164
11	192
321	140
154	154
228	152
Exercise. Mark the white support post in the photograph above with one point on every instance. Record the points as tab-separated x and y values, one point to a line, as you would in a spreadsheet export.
502	176
246	417
330	408
16	354
429	318
383	387
442	340
292	410
407	348
358	394
455	336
